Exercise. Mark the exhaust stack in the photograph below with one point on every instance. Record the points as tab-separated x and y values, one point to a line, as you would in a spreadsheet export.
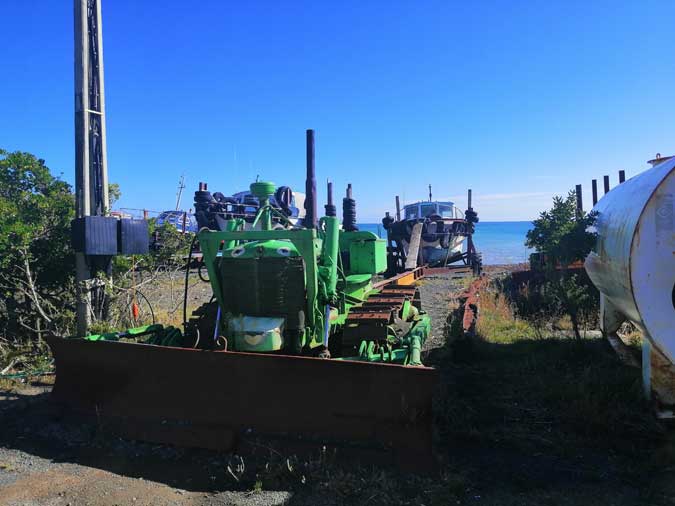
310	185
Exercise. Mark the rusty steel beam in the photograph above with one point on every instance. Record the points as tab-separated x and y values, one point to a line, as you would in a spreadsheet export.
392	304
211	396
370	315
391	298
399	289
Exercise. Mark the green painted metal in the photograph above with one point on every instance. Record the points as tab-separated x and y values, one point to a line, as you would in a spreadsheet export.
264	190
368	256
273	248
157	334
241	263
406	350
303	241
329	256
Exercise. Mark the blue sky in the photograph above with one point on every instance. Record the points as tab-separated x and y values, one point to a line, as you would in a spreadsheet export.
517	100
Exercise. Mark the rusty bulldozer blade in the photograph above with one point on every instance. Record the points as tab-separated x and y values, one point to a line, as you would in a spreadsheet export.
205	398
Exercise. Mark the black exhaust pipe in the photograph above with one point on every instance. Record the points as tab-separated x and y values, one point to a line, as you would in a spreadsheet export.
311	219
331	210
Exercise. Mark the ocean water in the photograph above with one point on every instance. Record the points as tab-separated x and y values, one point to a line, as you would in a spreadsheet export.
500	242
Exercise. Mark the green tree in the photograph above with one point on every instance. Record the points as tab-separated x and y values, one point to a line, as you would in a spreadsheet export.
37	262
114	194
564	235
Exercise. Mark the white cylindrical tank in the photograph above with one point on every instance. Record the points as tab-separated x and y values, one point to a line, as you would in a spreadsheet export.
633	263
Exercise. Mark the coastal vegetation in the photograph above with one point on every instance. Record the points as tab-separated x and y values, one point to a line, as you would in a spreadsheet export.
558	290
37	283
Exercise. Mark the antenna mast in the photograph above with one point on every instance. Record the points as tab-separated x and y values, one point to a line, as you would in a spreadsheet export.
181	187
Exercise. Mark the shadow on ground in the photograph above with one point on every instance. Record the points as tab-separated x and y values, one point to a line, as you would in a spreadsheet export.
554	420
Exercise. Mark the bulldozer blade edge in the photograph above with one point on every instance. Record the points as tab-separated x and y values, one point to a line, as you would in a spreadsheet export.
201	398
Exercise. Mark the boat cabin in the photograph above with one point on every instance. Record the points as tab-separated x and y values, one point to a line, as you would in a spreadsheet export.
445	210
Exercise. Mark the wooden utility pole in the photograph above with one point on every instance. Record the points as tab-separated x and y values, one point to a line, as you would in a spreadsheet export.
91	171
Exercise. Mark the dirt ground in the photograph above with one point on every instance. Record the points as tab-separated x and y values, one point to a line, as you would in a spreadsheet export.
523	423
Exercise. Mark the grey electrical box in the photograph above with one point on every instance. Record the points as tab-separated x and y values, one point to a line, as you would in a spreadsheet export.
94	235
132	237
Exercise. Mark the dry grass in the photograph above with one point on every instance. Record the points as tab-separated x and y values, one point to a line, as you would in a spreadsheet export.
497	322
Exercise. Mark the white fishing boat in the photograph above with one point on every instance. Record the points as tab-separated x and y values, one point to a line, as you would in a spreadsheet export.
434	233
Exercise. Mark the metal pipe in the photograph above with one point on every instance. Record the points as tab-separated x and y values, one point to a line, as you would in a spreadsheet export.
415	351
580	201
349	211
330	207
330	253
622	176
326	325
310	184
594	190
469	200
606	183
217	327
398	209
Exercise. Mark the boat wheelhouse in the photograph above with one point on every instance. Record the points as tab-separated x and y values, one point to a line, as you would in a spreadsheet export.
444	209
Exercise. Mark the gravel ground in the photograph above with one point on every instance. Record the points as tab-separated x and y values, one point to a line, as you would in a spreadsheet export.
439	296
48	457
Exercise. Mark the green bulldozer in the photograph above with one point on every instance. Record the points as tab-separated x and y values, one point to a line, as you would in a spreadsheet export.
304	337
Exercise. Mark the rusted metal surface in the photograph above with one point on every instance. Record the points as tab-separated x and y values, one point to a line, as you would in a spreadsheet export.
367	314
405	290
386	299
370	320
207	396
